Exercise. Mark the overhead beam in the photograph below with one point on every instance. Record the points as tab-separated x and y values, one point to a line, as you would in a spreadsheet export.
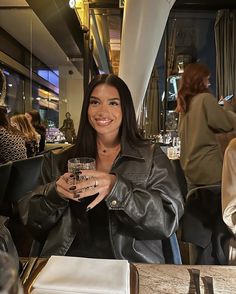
62	23
101	51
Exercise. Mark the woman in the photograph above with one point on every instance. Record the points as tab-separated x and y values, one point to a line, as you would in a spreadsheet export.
12	144
68	128
229	196
34	118
200	119
31	137
136	201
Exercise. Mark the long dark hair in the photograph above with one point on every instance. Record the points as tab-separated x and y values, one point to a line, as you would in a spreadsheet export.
86	138
36	121
192	83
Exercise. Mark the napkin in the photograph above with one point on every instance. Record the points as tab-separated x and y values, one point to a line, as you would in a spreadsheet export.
66	274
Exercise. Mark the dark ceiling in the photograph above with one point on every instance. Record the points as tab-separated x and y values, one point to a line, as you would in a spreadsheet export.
204	4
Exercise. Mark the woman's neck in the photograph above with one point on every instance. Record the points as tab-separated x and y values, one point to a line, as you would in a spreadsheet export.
107	151
108	146
107	142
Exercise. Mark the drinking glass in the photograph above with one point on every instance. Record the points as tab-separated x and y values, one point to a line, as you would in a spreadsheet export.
80	163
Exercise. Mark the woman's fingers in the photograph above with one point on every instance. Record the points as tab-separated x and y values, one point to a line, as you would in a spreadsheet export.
92	183
65	186
95	202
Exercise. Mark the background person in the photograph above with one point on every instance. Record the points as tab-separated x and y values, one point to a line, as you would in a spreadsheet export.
136	201
12	144
34	118
32	138
200	119
229	196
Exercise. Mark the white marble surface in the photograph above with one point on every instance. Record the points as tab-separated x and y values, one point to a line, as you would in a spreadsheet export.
169	279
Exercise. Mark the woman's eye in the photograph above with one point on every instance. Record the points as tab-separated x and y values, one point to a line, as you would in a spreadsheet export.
114	103
93	102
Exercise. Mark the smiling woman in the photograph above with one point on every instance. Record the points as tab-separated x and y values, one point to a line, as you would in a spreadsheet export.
125	207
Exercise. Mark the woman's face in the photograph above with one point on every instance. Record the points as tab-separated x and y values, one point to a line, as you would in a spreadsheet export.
29	117
206	82
104	112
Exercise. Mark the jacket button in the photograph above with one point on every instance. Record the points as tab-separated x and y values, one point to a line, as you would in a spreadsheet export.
113	203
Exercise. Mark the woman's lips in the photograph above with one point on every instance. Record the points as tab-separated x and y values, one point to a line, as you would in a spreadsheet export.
103	121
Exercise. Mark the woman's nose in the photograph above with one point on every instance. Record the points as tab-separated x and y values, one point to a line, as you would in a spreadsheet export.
103	107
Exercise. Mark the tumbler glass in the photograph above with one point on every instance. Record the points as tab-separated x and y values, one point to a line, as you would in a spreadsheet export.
80	163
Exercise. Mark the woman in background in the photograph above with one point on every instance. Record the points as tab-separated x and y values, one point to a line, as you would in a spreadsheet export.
201	118
12	144
31	137
229	196
34	118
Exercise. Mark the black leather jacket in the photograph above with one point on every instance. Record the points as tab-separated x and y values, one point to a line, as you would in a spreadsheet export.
144	206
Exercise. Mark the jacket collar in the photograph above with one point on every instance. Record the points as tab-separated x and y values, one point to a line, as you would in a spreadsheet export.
129	150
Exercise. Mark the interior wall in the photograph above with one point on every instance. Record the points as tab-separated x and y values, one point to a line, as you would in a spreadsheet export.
71	94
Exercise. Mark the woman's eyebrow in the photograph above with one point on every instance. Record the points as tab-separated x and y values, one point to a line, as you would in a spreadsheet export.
94	97
115	98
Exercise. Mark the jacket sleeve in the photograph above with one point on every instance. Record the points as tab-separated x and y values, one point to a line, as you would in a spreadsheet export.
152	212
40	210
217	118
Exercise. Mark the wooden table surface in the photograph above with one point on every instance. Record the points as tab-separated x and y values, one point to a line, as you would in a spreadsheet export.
176	279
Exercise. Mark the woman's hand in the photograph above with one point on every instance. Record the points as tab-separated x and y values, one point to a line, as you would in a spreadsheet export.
65	186
93	182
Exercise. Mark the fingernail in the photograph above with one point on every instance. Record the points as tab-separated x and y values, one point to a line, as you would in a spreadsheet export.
88	208
72	176
72	188
76	195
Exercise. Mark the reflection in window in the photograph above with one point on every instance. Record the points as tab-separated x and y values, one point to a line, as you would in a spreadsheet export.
47	103
14	91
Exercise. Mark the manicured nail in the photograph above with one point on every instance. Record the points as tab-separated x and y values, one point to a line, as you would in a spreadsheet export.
76	195
88	208
72	188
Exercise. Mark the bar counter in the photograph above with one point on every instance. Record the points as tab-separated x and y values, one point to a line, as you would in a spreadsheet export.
176	279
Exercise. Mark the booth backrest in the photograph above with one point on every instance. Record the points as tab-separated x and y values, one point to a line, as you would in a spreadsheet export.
5	170
25	176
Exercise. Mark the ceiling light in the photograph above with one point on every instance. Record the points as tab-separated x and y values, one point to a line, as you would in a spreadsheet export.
72	3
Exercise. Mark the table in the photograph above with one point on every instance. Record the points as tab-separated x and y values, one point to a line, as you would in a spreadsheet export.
56	146
167	279
164	279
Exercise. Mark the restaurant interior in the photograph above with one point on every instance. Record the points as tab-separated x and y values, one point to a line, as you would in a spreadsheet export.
49	52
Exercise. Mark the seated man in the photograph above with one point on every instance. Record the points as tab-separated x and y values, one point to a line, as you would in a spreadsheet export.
229	195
